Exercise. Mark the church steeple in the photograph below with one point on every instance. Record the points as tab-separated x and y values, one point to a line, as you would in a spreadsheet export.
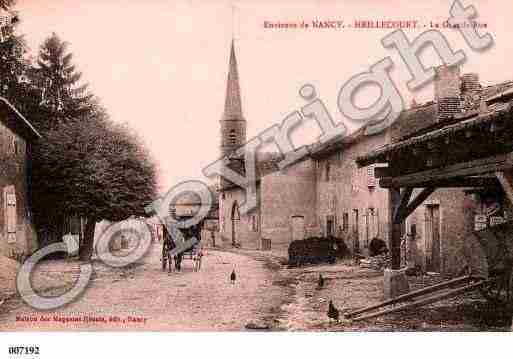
232	105
233	124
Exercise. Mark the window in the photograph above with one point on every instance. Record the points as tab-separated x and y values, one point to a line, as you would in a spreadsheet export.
232	137
254	223
172	211
372	225
413	230
330	226
10	213
6	32
345	221
15	146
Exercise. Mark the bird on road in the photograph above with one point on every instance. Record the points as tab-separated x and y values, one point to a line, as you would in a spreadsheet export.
320	282
233	276
333	312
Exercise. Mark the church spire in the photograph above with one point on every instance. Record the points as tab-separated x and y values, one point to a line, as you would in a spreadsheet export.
232	105
233	124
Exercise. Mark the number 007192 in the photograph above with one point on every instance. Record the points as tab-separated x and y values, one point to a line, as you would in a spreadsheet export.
31	350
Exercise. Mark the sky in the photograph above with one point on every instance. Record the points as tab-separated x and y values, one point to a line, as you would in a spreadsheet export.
161	65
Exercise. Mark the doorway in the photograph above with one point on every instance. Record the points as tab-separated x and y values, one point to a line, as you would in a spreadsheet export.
330	226
298	228
433	257
356	231
235	218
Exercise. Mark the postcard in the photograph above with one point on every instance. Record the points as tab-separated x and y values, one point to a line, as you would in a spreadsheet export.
299	166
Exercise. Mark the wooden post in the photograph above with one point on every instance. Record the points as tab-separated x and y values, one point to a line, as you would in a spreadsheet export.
395	228
506	180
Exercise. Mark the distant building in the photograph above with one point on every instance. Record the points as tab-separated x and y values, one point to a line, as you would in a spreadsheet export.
17	235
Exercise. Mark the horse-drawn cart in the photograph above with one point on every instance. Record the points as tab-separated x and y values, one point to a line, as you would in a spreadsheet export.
194	253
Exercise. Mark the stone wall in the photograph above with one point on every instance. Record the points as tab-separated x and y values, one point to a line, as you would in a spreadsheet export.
287	194
452	228
244	229
357	208
15	155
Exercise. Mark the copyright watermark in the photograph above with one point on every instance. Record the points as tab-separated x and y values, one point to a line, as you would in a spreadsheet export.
376	117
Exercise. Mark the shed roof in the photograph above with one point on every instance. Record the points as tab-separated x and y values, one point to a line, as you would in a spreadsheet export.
465	122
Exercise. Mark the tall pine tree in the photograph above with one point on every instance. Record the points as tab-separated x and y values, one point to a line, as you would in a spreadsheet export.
7	4
63	98
85	165
14	64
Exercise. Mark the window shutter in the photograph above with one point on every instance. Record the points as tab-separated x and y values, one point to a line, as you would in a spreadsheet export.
11	212
371	179
375	224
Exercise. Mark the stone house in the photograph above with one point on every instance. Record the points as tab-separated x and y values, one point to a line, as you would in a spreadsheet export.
328	194
438	229
352	205
17	235
285	208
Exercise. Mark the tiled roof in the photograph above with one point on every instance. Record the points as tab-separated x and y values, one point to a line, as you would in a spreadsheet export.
466	121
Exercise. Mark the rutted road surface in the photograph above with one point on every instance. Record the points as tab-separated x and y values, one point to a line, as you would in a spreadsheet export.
266	295
143	297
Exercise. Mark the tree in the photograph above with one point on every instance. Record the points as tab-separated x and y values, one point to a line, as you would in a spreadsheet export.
85	165
62	96
14	66
7	4
94	169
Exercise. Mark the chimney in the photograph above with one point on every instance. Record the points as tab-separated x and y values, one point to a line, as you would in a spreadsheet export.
470	83
447	91
471	91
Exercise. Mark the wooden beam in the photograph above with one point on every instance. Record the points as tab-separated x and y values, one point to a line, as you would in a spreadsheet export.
426	300
411	295
403	203
470	168
394	198
417	201
506	180
455	182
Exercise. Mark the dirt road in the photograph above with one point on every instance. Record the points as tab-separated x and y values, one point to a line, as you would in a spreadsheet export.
265	294
143	297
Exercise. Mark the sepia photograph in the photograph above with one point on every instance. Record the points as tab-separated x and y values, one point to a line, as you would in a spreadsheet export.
316	174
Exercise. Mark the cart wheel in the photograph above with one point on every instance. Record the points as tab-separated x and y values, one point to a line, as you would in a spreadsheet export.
170	260
498	291
164	263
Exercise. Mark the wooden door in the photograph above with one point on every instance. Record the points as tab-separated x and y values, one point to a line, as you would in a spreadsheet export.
329	227
298	228
356	231
433	258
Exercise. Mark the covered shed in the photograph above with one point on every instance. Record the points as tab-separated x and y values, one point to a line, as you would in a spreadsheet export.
471	149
